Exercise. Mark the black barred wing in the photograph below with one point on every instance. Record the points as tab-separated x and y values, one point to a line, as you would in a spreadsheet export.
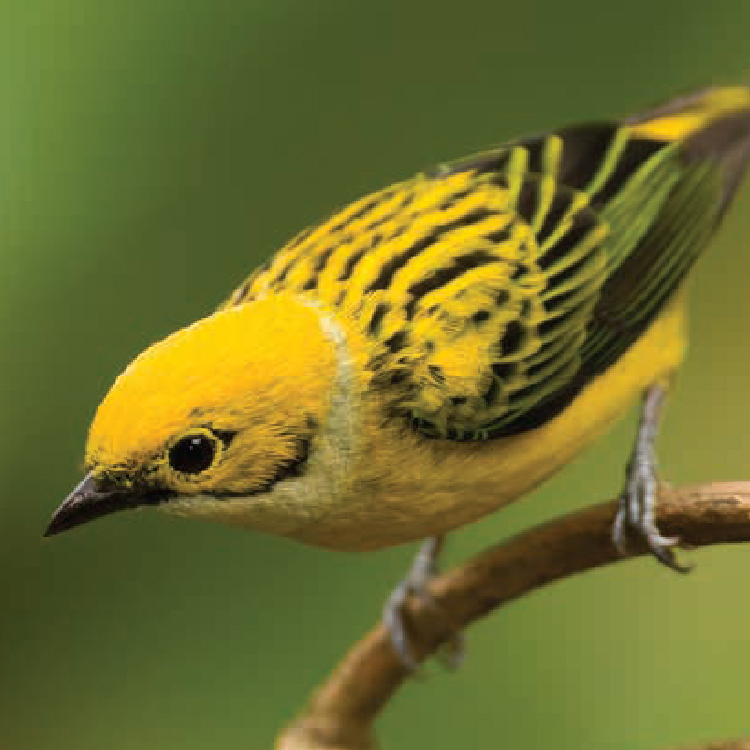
475	287
495	288
659	186
496	367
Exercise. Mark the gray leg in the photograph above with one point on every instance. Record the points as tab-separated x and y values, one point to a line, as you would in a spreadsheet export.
635	514
423	570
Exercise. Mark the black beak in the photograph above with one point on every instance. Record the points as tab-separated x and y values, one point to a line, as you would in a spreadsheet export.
86	503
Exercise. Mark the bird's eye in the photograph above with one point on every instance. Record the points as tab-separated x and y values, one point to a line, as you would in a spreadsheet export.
192	454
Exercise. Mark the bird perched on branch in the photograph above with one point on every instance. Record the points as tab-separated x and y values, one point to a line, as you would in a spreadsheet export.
437	349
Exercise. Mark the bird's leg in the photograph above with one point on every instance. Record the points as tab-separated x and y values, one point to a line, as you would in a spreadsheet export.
635	514
422	571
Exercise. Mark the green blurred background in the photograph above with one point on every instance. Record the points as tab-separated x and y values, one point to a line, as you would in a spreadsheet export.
152	153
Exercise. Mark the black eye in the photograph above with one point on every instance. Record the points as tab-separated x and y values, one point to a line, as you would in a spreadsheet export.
191	455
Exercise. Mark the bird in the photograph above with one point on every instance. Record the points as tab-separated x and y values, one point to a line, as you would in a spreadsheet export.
437	349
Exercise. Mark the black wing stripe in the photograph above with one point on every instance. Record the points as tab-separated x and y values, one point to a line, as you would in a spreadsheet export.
444	276
528	201
562	203
583	223
636	153
585	149
536	148
384	279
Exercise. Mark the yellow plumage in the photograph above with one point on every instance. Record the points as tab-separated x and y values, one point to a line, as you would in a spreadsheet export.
436	349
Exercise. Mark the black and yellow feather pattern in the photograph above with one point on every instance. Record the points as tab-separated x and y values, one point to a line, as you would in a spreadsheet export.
495	288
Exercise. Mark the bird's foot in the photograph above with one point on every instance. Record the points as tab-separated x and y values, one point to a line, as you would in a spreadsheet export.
635	517
637	508
416	583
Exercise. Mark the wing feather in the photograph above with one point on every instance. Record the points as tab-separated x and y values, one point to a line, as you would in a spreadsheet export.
496	287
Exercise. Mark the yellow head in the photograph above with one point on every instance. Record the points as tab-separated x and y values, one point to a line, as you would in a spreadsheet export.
216	418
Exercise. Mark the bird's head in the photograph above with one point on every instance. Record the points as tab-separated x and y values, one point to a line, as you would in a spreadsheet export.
221	419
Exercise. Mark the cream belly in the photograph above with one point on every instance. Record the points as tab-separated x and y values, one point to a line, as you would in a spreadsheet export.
410	488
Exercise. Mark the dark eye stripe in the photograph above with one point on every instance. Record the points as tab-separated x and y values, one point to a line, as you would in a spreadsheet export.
226	436
292	467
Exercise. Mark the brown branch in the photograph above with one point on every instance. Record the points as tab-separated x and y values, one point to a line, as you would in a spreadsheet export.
341	713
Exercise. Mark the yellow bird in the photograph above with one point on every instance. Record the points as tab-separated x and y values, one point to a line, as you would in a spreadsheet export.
437	349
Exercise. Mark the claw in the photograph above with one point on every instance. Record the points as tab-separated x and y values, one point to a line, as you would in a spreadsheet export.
416	583
638	501
393	619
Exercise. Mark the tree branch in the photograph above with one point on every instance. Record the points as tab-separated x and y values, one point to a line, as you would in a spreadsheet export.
341	713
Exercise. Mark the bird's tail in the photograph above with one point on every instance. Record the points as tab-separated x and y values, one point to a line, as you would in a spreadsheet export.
714	126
